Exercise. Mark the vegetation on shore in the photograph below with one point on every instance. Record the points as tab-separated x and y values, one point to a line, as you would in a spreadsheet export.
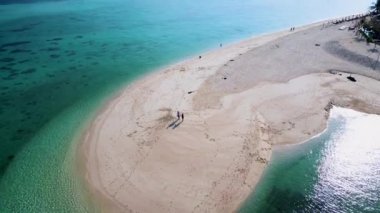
370	26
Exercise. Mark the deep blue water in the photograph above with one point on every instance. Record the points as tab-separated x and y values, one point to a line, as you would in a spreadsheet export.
60	60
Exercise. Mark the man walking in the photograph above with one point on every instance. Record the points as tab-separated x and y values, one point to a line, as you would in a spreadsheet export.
183	117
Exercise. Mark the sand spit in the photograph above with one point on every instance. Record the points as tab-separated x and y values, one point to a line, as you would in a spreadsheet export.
238	102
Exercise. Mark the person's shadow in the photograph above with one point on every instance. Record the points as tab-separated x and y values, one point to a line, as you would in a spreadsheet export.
174	124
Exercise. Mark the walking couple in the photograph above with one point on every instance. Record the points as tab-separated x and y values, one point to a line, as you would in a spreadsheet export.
180	115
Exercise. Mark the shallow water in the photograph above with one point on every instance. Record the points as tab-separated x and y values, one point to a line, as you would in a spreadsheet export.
337	171
60	60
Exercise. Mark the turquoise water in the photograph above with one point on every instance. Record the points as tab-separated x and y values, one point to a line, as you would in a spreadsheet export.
60	60
337	171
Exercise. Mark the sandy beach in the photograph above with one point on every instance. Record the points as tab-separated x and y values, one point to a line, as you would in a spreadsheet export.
238	101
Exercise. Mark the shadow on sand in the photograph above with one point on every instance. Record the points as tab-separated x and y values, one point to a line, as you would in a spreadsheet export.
175	124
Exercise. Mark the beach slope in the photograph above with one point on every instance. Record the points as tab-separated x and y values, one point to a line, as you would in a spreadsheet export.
238	101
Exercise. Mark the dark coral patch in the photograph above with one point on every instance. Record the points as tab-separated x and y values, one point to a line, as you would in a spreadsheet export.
54	56
31	70
7	59
12	44
6	68
21	29
32	103
12	75
55	39
51	49
7	78
20	130
20	51
23	61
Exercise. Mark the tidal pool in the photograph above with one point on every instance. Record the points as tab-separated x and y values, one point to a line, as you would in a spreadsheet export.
336	171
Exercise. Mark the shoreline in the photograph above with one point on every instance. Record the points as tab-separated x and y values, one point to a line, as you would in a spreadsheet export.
200	80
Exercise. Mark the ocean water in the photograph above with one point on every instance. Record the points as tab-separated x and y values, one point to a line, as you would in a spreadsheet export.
61	60
337	171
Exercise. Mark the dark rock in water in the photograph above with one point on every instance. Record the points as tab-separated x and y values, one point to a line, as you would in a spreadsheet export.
10	157
19	51
351	78
54	56
7	59
78	37
12	44
32	70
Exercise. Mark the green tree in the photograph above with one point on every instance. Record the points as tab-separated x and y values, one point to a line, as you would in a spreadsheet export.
375	8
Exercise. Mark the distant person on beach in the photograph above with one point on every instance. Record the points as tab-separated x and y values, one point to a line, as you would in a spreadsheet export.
220	44
178	115
183	117
200	57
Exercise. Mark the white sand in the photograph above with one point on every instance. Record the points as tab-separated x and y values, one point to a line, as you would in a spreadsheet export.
277	90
